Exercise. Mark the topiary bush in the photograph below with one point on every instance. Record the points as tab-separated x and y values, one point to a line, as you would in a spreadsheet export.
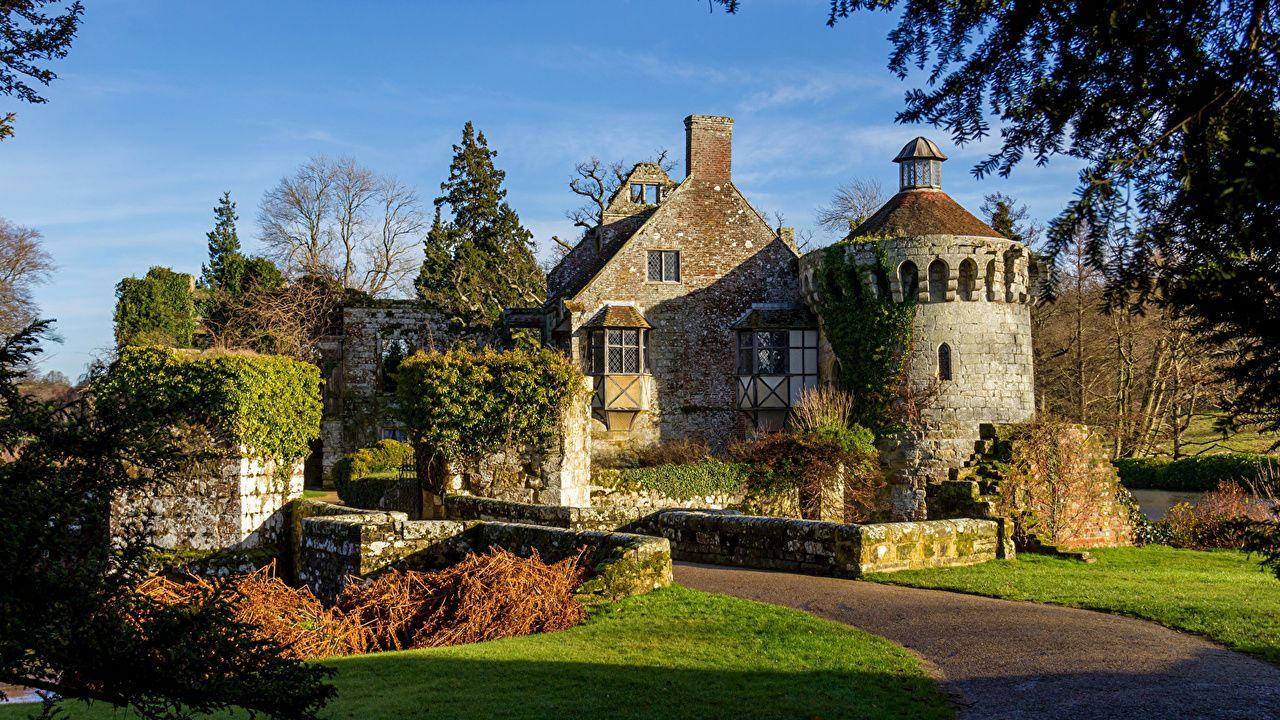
268	405
158	308
1200	473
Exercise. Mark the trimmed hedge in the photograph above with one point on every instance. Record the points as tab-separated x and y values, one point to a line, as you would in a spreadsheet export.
685	481
364	476
1200	473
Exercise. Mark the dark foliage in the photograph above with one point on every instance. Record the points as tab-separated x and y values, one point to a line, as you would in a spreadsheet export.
28	35
1173	107
225	270
71	621
478	259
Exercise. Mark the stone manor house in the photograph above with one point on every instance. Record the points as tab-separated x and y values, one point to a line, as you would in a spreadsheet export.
692	318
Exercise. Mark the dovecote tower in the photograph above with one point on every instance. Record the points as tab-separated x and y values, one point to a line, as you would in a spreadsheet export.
970	356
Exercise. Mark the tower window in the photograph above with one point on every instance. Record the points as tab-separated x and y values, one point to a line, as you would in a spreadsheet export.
664	266
944	362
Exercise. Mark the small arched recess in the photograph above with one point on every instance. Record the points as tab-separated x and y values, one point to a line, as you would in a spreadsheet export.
944	362
966	285
938	271
909	281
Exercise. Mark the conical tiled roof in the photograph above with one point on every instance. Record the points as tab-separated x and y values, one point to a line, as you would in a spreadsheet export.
922	212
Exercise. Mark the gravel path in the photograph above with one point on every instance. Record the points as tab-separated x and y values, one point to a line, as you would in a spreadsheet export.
1026	661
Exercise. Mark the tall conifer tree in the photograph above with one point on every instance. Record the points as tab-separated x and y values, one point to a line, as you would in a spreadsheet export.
478	258
225	270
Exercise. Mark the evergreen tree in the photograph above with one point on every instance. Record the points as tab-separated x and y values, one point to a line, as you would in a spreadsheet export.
479	259
226	265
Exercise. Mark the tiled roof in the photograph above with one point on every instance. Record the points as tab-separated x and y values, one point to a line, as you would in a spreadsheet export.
922	212
618	316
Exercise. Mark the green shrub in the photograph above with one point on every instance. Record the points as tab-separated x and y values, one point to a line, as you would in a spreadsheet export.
268	404
384	459
1200	473
683	481
786	473
468	403
157	308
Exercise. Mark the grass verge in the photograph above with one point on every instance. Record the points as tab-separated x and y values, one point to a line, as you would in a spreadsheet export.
675	653
1222	595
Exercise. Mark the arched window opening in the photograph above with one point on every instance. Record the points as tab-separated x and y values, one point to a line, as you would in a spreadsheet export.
392	352
991	281
938	281
968	280
880	283
944	362
909	281
1033	279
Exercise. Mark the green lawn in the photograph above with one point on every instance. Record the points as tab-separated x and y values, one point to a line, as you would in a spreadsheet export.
675	653
1202	437
1222	594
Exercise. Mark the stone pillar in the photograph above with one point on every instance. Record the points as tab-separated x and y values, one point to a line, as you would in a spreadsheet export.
826	501
565	466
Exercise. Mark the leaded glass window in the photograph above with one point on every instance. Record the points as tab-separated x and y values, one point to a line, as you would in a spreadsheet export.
617	351
664	266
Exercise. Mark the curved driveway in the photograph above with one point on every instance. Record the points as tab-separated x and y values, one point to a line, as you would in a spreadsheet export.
1025	661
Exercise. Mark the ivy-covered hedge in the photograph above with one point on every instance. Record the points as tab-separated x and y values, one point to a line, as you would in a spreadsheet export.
266	403
1200	473
470	403
156	309
680	481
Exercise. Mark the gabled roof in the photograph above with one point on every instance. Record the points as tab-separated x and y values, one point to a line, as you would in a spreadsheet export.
923	211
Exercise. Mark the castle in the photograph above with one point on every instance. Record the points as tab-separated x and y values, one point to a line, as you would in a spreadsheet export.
693	318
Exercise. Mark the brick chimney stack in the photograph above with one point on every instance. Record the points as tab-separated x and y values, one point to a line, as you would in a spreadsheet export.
709	147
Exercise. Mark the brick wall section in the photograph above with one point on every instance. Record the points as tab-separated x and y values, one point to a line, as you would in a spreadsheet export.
709	147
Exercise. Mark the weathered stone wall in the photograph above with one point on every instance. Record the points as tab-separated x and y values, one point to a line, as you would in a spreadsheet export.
334	543
242	507
824	548
601	518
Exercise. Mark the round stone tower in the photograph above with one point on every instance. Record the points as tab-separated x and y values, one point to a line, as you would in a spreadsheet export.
970	356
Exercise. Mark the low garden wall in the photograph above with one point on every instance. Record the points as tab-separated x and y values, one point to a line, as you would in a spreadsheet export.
604	518
825	548
335	543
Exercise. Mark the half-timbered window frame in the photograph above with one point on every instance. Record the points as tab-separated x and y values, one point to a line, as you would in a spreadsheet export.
775	365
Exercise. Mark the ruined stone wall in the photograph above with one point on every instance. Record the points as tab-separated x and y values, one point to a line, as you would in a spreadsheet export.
334	544
356	398
824	548
730	259
241	507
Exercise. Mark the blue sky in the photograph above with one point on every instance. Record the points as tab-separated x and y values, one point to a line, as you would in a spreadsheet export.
162	106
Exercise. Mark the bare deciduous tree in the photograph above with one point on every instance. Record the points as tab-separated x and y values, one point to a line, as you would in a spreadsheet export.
294	217
596	182
338	219
851	203
392	253
24	264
